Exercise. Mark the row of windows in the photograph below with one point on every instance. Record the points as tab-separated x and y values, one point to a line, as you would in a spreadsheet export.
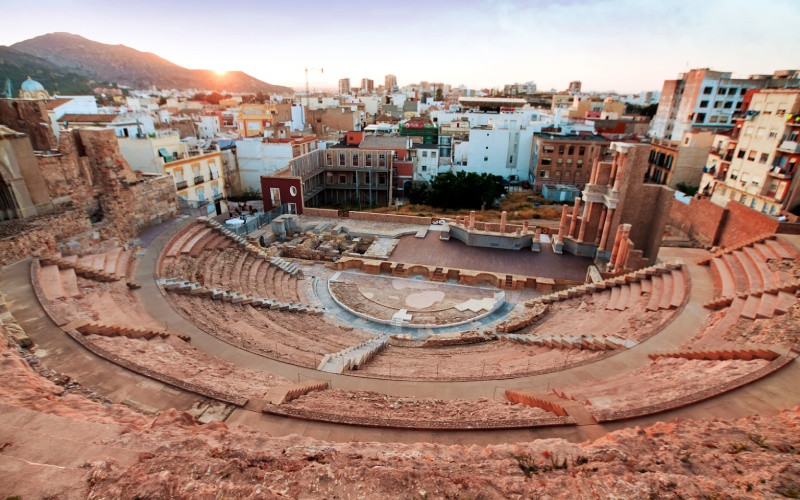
723	91
545	174
350	178
570	150
368	160
722	105
549	161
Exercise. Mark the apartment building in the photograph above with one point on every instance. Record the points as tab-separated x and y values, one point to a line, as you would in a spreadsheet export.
565	158
702	98
679	162
390	83
344	86
367	85
254	119
763	168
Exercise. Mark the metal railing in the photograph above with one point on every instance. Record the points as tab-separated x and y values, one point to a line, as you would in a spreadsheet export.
260	219
181	185
199	179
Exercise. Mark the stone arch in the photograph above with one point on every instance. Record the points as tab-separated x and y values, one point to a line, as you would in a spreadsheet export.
419	270
486	279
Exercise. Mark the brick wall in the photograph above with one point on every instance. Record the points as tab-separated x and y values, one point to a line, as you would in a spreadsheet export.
743	223
320	212
700	219
399	219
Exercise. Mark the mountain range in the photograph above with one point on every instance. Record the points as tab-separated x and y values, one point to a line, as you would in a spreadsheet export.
78	64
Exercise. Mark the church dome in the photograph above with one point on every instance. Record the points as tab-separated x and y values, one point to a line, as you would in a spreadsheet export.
31	89
31	85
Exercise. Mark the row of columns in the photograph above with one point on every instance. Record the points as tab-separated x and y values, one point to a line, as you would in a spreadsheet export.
569	230
470	223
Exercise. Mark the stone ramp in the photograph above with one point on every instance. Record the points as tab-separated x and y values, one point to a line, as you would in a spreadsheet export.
43	455
352	357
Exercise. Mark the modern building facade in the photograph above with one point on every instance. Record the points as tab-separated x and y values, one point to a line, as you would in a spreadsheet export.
702	98
390	83
565	159
679	162
344	86
763	167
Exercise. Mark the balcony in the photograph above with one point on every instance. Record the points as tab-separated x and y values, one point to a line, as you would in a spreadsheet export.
199	179
181	185
218	196
790	147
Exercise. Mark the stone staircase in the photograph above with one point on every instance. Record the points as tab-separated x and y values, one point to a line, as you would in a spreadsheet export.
738	352
288	267
192	288
285	393
640	275
109	330
352	357
749	243
84	271
553	403
583	342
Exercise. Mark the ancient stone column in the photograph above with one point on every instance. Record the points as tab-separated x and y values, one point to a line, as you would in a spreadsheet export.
600	225
622	233
503	217
585	220
620	169
472	219
525	227
606	228
595	171
562	227
622	257
574	220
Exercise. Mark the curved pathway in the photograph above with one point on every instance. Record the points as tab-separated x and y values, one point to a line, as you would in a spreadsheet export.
767	396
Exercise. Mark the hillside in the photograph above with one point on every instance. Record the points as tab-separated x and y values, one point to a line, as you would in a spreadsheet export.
126	66
18	66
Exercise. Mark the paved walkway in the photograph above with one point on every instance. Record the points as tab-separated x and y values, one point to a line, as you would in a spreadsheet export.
767	396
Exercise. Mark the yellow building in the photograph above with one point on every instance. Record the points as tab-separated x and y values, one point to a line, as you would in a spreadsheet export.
253	119
199	180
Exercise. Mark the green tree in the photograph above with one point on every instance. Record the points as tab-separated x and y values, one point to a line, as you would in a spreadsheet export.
465	190
418	194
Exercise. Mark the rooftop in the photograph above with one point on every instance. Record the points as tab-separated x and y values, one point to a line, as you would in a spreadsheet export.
570	137
384	142
58	101
88	118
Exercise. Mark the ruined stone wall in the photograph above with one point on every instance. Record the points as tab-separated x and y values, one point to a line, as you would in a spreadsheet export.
40	235
399	219
154	201
29	117
67	174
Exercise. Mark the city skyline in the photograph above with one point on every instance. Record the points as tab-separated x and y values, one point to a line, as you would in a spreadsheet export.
619	45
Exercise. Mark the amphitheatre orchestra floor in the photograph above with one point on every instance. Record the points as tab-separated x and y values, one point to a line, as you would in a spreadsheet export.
431	251
767	396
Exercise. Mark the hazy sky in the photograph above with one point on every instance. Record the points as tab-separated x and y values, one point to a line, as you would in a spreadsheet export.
623	45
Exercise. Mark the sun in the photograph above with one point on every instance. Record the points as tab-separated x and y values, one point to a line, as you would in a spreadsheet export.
220	72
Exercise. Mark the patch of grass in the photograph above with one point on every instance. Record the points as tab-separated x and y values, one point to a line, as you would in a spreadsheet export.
527	464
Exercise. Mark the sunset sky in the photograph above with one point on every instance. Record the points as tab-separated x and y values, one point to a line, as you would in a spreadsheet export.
623	45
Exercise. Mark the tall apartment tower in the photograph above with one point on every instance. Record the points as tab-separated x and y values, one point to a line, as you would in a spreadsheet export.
707	99
367	85
574	87
390	82
344	86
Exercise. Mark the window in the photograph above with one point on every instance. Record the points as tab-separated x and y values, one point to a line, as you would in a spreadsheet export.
424	168
753	203
543	174
732	91
424	154
727	105
560	161
433	154
381	160
751	156
703	104
547	161
741	153
367	179
548	149
748	131
342	179
713	119
764	158
485	158
718	104
708	90
579	164
571	150
510	159
742	91
569	162
743	198
329	159
355	159
368	160
582	151
760	132
700	118
772	210
341	159
561	149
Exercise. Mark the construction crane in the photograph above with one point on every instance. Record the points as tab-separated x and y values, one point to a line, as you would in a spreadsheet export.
308	94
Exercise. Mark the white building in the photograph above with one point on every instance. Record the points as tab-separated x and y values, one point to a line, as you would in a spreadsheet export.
426	161
69	104
207	126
